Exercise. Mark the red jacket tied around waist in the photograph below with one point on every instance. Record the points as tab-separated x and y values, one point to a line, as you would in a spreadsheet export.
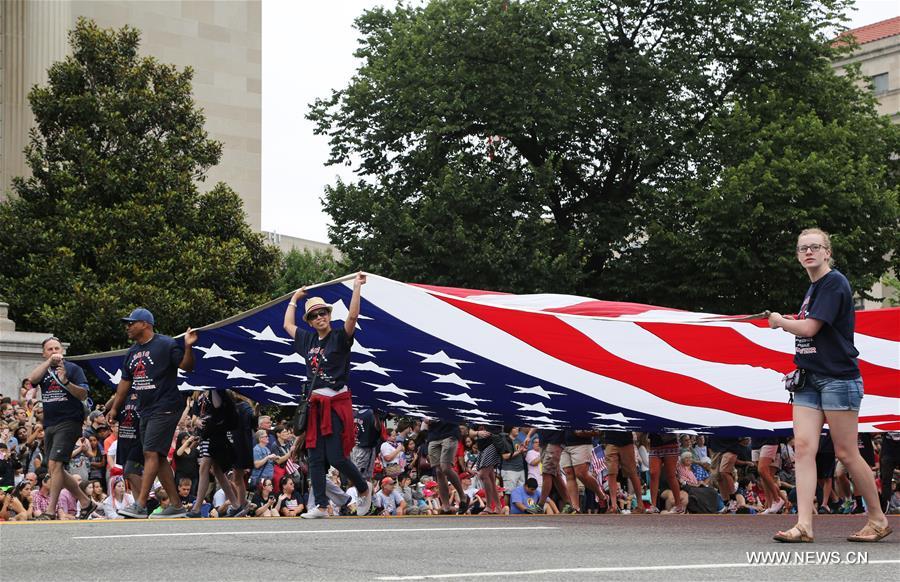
320	408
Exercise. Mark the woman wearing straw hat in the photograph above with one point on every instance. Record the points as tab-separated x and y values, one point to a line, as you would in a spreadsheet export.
329	434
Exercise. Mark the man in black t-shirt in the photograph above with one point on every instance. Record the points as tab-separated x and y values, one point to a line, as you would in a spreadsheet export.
63	392
150	369
369	428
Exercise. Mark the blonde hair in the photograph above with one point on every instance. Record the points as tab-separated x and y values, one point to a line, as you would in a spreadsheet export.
825	238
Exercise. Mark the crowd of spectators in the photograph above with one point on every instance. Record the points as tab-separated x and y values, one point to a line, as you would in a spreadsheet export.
675	473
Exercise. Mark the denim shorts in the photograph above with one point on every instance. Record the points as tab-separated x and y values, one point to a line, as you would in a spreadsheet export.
827	393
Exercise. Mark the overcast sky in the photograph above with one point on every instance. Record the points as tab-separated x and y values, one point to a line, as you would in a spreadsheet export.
308	51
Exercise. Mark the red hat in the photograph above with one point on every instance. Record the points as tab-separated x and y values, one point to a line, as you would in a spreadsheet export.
387	481
431	484
465	475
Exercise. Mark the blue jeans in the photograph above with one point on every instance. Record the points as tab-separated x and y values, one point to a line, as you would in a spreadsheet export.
827	393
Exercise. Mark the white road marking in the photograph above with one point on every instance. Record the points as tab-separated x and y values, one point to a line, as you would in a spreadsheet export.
596	570
309	531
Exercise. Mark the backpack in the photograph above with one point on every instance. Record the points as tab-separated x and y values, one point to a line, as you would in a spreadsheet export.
701	499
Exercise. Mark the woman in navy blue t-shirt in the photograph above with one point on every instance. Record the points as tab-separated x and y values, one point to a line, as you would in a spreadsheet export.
833	389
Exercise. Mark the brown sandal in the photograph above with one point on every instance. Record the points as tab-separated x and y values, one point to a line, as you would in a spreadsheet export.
871	533
800	536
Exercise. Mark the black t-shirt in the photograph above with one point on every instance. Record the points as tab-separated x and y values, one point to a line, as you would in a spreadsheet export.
483	443
571	439
367	432
725	445
187	465
619	438
129	420
59	404
439	430
551	437
831	351
258	501
283	503
7	472
153	371
759	442
328	357
658	440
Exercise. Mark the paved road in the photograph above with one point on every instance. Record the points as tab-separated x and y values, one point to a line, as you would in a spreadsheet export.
584	547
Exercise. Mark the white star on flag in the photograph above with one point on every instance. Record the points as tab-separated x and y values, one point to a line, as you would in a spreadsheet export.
301	377
481	420
214	351
618	417
464	397
544	419
452	379
535	390
371	367
392	388
270	389
266	335
358	348
474	412
440	357
275	402
609	426
293	358
339	312
238	373
190	387
114	378
403	404
539	407
688	431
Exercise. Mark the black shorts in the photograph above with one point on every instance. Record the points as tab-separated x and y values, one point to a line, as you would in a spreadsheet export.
130	455
157	430
59	440
243	449
825	465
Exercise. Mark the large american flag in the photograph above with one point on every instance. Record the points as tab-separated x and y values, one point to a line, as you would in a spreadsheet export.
545	360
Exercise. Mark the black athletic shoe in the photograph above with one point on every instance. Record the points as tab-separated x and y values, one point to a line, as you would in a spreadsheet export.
463	505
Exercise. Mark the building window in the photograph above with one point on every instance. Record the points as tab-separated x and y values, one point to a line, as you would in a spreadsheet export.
880	83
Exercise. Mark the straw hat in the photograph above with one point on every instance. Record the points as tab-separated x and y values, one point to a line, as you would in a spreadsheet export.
314	303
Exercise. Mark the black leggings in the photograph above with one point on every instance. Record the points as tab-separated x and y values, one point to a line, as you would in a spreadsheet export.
329	451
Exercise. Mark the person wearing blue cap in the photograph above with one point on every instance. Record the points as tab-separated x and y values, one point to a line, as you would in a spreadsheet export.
150	370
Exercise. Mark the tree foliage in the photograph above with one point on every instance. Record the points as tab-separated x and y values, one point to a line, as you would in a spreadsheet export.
112	217
305	267
666	152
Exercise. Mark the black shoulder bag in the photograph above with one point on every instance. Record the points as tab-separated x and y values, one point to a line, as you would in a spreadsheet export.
302	415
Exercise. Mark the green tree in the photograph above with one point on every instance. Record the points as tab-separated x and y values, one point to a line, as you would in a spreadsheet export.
305	267
545	145
112	217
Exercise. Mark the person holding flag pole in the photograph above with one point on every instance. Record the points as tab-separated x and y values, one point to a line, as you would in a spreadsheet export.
329	420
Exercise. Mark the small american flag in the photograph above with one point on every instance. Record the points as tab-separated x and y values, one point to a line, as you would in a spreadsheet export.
598	462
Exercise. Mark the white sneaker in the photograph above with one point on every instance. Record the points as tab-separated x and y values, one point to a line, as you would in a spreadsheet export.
314	513
775	508
364	503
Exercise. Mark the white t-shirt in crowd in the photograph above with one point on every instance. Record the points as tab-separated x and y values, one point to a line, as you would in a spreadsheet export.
389	502
533	470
